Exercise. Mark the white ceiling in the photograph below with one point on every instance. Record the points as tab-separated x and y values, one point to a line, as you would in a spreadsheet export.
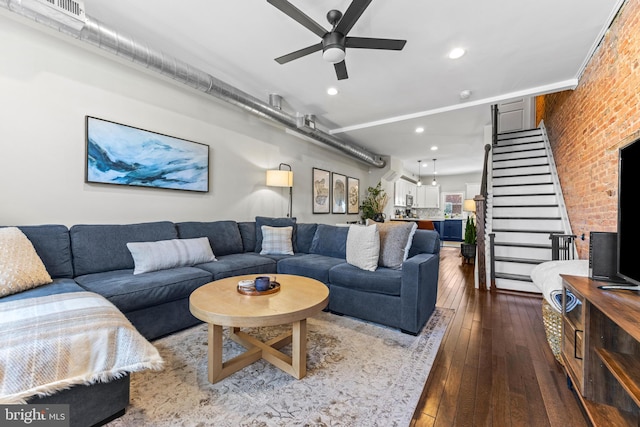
513	47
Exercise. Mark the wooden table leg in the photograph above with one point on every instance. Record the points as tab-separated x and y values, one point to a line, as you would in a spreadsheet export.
215	352
296	365
299	349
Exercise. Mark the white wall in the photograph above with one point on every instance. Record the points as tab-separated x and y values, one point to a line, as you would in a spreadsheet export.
49	83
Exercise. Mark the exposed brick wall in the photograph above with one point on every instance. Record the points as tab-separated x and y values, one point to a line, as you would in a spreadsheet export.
586	126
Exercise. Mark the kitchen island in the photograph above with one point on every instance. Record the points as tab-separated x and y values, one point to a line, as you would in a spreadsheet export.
423	224
450	229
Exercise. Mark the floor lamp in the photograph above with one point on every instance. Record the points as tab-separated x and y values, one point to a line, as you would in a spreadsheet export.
282	178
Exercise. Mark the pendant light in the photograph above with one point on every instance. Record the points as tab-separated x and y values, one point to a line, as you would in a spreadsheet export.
434	182
419	182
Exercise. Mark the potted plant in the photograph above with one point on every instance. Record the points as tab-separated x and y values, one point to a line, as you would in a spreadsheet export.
374	203
468	247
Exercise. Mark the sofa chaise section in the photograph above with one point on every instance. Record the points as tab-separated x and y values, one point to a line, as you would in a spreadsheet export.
89	404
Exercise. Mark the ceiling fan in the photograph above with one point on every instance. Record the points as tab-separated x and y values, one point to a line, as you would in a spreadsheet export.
334	42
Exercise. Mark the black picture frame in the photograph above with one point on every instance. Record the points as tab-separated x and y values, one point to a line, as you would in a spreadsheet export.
353	195
338	193
321	191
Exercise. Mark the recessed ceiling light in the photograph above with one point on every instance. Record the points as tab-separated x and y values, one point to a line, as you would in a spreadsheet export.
434	148
456	53
332	91
419	129
465	94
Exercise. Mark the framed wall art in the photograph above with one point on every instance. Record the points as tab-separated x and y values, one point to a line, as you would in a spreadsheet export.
321	190
353	195
339	193
125	155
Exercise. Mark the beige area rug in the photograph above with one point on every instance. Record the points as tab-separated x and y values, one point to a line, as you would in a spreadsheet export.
358	374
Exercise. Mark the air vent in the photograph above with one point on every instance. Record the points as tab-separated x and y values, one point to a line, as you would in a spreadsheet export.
70	7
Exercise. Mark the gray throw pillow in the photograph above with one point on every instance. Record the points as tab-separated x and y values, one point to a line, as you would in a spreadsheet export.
395	241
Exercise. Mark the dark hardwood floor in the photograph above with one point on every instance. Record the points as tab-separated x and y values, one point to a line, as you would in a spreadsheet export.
494	367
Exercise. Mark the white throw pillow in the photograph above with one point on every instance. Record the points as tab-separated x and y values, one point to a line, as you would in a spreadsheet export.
20	266
363	246
165	254
276	240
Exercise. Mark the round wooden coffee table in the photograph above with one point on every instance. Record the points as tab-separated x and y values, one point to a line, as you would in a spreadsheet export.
220	304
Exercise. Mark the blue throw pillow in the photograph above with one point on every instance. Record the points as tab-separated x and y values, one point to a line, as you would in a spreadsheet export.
330	240
274	222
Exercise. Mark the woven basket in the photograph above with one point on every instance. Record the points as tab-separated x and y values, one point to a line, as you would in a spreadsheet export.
552	321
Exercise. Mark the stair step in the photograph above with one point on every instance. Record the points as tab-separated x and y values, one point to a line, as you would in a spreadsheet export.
527	240
531	131
523	245
520	149
552	205
522	185
520	260
531	218
520	277
498	230
516	173
523	195
516	138
509	159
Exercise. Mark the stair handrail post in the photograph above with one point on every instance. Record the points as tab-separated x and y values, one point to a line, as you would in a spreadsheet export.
480	201
494	123
485	171
492	270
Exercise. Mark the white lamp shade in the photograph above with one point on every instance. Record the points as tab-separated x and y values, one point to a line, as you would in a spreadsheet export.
469	205
279	178
333	55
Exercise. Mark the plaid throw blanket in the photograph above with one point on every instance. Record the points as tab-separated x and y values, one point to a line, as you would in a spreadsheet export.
54	342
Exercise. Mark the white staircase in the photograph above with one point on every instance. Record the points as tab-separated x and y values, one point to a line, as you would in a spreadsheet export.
523	208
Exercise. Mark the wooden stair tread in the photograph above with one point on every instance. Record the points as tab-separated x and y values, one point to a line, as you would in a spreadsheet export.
520	260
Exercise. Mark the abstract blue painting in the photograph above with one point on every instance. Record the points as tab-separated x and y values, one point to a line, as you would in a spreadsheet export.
125	155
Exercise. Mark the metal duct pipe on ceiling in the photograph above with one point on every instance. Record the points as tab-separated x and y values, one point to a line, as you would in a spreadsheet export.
105	38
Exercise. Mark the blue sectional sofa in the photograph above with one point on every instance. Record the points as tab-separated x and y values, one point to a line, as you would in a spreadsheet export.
96	258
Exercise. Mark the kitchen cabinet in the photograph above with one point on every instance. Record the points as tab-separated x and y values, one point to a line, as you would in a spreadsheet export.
439	226
428	196
401	190
452	230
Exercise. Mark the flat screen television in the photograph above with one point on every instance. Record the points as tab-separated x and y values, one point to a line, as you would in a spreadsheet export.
628	212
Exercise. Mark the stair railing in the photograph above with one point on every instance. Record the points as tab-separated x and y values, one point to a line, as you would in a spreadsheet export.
487	237
562	207
562	246
481	215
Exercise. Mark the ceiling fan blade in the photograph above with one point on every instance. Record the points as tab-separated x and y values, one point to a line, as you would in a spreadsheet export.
371	43
341	70
299	53
297	15
352	15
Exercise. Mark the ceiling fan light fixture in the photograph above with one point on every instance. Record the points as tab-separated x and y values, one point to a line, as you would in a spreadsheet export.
333	54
